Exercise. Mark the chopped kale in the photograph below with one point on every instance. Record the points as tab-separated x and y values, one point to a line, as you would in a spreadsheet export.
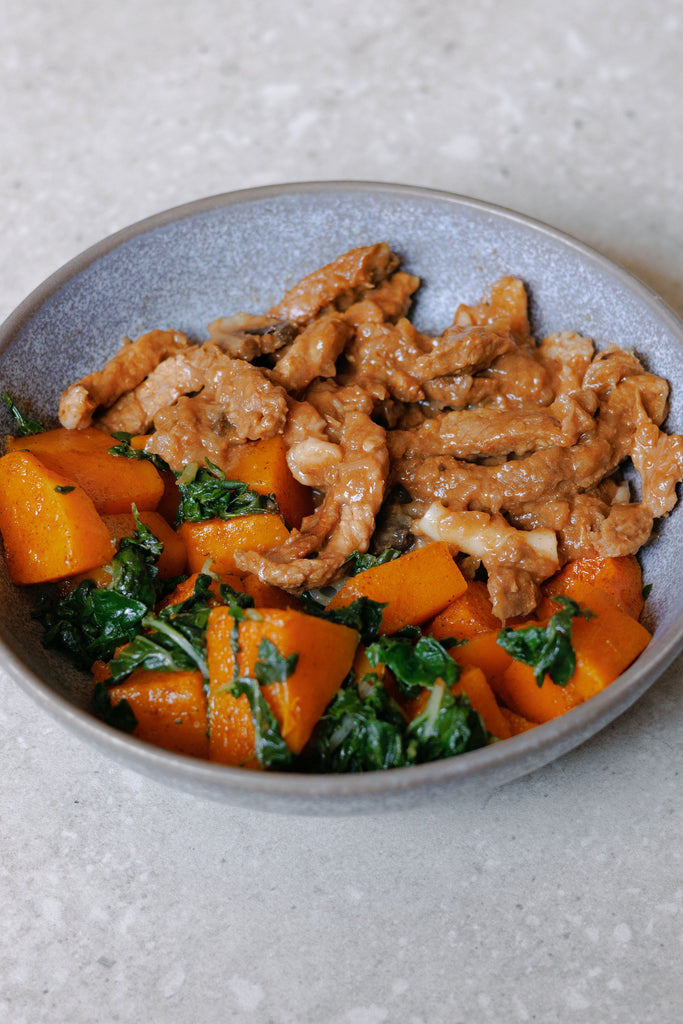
175	637
363	615
273	667
125	449
547	649
120	716
271	749
415	665
359	562
359	733
24	424
91	622
448	726
207	494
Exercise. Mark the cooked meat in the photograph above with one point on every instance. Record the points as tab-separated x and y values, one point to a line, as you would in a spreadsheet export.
335	402
192	430
338	284
389	301
236	403
480	433
507	450
248	337
131	364
516	560
506	307
586	526
566	357
313	353
396	360
354	481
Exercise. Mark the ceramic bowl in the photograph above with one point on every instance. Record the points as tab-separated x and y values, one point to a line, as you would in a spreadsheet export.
241	251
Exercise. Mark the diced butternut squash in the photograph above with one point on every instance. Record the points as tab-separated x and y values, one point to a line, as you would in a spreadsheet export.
516	723
262	465
620	578
467	616
474	683
267	596
325	654
185	589
263	594
173	558
415	587
50	527
219	539
170	708
113	483
517	689
605	646
484	652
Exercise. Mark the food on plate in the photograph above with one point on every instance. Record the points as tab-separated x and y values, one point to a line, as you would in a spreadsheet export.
324	540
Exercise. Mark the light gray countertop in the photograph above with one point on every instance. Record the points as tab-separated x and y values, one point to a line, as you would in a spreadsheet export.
555	898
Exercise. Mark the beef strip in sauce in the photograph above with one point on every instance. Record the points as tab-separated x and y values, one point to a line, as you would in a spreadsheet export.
508	450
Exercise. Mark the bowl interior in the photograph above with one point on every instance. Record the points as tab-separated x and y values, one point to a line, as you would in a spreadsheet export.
240	252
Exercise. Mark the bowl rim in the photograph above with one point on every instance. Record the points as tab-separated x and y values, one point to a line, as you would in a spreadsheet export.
522	753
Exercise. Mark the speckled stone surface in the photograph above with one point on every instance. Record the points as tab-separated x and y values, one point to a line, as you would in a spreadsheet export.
554	898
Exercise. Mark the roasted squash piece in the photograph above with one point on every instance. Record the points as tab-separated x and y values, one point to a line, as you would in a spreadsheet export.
324	652
415	586
50	526
113	483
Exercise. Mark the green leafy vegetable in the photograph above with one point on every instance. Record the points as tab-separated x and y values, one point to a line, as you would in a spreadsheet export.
449	725
120	716
359	733
91	622
363	615
64	490
647	590
25	425
415	665
359	562
547	649
207	494
125	449
271	666
176	637
271	749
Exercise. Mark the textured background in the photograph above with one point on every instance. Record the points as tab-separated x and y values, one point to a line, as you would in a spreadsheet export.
556	898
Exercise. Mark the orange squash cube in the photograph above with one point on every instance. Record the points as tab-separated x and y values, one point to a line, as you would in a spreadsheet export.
415	587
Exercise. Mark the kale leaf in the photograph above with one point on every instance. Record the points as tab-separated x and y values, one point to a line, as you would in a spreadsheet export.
360	562
120	716
359	733
207	494
273	667
25	425
175	637
363	615
447	726
271	749
415	665
125	449
91	622
547	649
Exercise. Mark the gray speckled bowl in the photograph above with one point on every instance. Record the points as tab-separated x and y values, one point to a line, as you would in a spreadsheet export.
182	269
